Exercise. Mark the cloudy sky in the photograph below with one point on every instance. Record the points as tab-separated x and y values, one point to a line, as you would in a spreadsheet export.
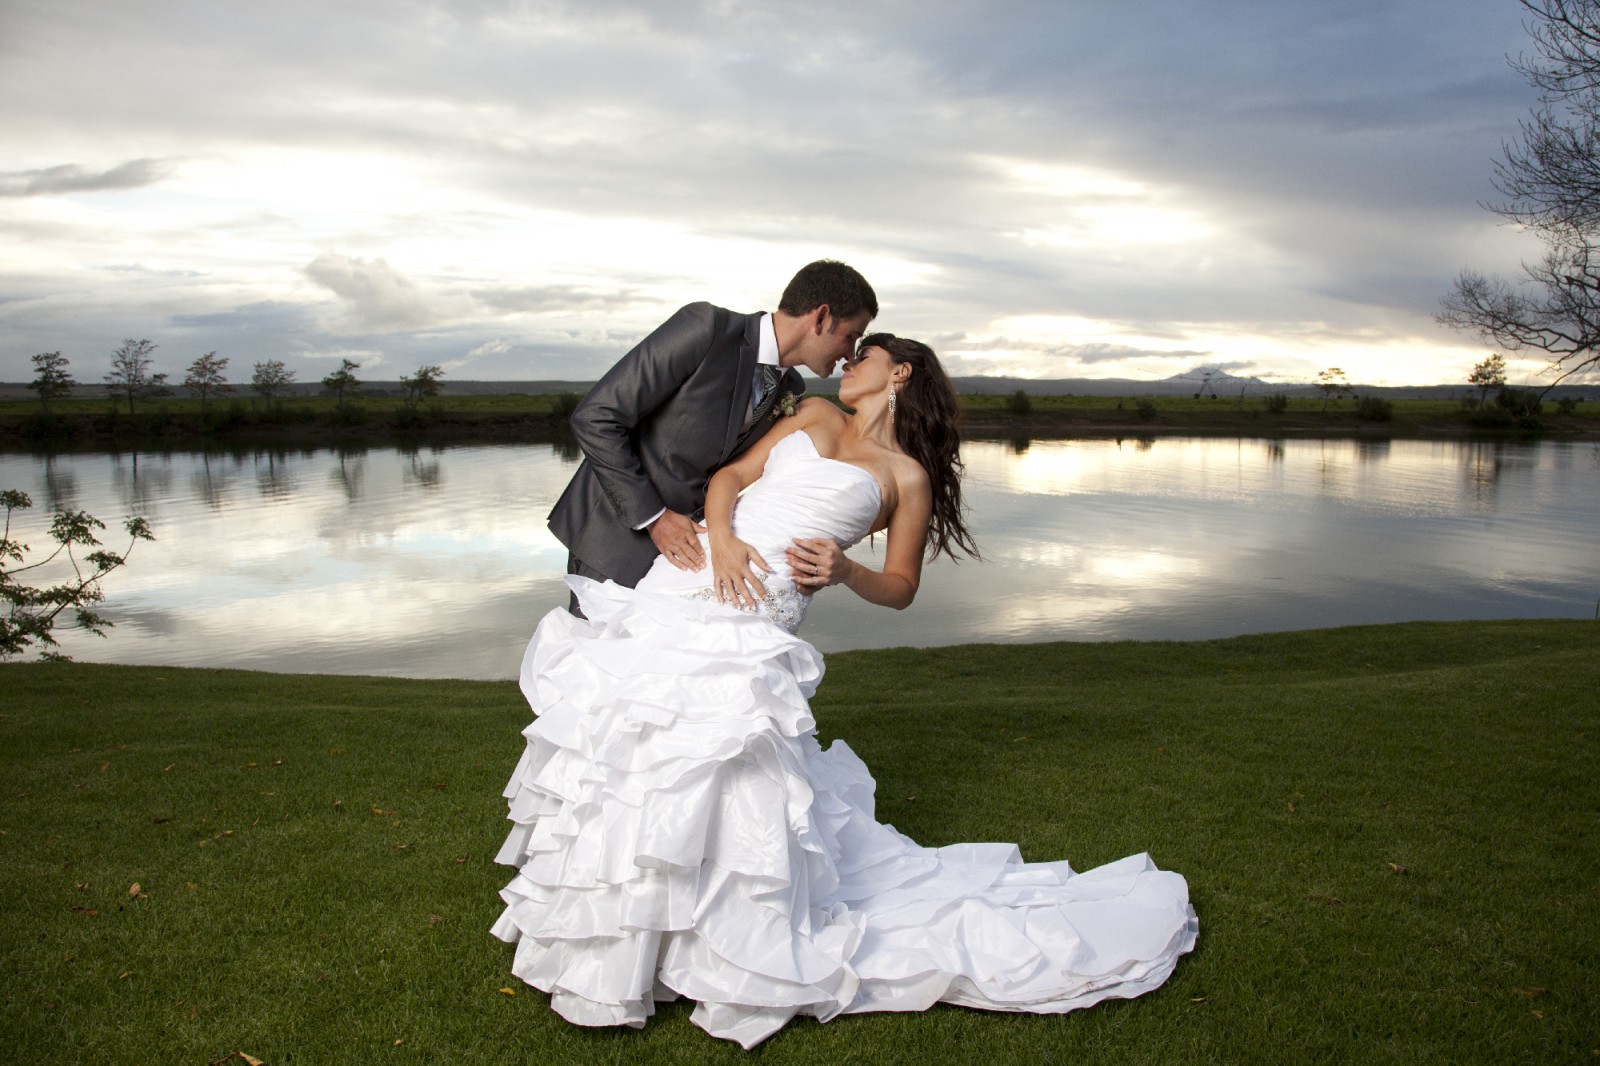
520	189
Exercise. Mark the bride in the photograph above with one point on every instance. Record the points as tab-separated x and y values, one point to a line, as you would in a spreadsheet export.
678	830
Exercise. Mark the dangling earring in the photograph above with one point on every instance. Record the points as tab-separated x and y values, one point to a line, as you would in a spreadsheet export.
891	402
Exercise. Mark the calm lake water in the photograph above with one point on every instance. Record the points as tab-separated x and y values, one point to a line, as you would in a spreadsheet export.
437	563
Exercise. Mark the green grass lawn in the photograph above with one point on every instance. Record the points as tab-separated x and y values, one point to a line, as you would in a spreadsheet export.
1390	833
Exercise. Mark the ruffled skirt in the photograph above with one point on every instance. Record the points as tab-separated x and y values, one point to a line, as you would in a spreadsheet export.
679	832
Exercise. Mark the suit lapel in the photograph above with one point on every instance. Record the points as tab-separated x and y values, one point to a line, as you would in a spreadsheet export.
744	376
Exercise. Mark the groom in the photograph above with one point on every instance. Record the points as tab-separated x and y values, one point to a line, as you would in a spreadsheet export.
688	398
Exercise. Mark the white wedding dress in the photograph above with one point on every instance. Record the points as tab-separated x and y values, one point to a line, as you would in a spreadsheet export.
680	832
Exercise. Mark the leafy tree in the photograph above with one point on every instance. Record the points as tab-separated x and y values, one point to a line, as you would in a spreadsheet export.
130	372
1489	374
271	378
1333	385
206	376
1019	403
343	382
31	613
424	383
1550	177
52	379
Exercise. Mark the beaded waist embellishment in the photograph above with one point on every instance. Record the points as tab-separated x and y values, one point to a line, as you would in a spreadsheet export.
783	604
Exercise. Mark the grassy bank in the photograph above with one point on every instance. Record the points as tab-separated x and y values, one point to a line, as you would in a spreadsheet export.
311	421
1258	416
1389	833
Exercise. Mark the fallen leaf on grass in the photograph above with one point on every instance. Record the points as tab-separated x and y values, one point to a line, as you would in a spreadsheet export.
1539	1014
103	766
135	891
125	974
167	767
401	847
1197	999
82	886
461	859
119	747
440	787
509	991
1397	868
434	919
397	1043
277	762
160	821
90	911
247	766
190	885
1533	993
380	810
237	1056
1291	807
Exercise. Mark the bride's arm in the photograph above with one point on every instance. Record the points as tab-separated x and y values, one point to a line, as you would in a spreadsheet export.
733	562
893	586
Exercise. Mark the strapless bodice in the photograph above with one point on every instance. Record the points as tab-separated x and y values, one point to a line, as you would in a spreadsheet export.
800	493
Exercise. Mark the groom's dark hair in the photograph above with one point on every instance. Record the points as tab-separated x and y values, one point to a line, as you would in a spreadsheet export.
828	281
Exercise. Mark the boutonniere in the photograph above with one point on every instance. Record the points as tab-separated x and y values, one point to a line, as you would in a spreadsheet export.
788	403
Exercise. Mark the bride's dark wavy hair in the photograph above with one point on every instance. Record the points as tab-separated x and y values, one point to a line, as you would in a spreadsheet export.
927	425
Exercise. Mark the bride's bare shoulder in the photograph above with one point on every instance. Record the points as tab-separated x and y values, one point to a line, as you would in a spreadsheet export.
821	407
910	475
820	415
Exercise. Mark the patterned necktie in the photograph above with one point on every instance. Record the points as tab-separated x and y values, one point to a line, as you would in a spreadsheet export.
770	376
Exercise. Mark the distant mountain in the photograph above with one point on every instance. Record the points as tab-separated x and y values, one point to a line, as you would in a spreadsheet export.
1213	376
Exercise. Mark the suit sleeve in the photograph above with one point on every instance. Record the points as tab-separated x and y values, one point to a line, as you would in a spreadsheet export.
640	382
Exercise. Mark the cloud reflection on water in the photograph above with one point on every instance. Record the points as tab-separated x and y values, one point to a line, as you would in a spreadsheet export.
438	563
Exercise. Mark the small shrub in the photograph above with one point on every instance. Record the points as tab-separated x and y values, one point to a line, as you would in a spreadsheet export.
1145	407
1374	409
1567	405
1518	401
349	415
1523	405
1491	418
563	404
1018	403
1278	403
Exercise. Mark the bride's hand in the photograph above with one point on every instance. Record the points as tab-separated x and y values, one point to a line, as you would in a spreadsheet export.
816	562
732	574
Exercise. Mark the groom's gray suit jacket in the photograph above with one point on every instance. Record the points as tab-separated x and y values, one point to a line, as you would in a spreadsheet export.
653	431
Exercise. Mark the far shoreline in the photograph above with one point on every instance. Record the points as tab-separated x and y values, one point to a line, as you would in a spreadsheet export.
178	423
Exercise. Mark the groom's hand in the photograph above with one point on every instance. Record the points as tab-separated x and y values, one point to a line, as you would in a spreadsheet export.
677	537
